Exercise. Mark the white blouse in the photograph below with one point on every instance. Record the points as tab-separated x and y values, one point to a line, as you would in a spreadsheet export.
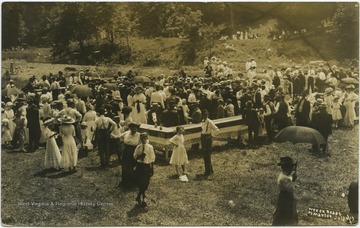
129	139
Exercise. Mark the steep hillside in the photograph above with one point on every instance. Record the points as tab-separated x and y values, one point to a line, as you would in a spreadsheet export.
174	53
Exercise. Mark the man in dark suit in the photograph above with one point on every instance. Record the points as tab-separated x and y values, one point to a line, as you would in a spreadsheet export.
251	118
322	122
170	116
302	111
32	115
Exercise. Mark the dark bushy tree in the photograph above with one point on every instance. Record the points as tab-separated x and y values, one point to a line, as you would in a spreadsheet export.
346	29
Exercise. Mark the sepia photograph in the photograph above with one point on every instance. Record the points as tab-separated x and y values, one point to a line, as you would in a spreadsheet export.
179	113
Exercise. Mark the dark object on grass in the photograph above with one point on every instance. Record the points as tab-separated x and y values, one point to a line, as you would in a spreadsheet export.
298	134
353	197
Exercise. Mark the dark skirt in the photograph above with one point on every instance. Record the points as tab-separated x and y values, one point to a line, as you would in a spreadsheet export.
128	165
285	214
143	175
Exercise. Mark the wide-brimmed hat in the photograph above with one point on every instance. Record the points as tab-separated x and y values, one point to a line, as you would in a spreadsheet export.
117	98
67	120
286	161
350	87
134	124
9	104
5	120
328	90
48	120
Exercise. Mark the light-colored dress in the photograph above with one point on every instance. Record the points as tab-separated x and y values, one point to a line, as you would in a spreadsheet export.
349	104
89	119
336	113
139	115
179	155
5	134
69	149
9	114
52	152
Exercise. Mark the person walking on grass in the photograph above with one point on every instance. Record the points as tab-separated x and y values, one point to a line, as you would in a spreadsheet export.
145	157
285	213
179	157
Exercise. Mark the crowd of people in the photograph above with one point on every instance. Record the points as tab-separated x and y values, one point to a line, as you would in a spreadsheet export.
58	113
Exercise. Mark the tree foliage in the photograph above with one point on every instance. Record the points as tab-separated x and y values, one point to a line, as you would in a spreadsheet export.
86	27
346	28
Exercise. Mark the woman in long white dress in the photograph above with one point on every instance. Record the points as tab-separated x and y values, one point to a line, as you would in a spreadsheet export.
349	102
139	111
89	119
69	149
52	152
10	115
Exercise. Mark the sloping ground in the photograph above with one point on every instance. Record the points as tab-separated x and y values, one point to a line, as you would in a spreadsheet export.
247	177
173	53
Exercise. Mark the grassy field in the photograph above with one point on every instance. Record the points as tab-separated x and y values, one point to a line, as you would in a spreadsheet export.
89	197
247	177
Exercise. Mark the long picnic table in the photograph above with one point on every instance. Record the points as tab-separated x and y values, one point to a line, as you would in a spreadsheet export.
229	127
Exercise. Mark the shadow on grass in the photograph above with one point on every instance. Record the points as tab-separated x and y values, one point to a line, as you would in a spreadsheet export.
95	168
46	171
136	210
61	175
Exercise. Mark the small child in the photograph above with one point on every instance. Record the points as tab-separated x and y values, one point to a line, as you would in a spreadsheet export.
221	109
262	122
179	156
5	133
229	108
336	113
84	135
186	110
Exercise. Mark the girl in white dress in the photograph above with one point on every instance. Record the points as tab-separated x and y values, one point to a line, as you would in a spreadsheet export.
179	156
69	149
6	137
52	152
336	113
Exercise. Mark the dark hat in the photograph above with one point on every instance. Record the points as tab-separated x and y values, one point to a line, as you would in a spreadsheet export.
286	161
323	105
143	135
134	124
126	110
